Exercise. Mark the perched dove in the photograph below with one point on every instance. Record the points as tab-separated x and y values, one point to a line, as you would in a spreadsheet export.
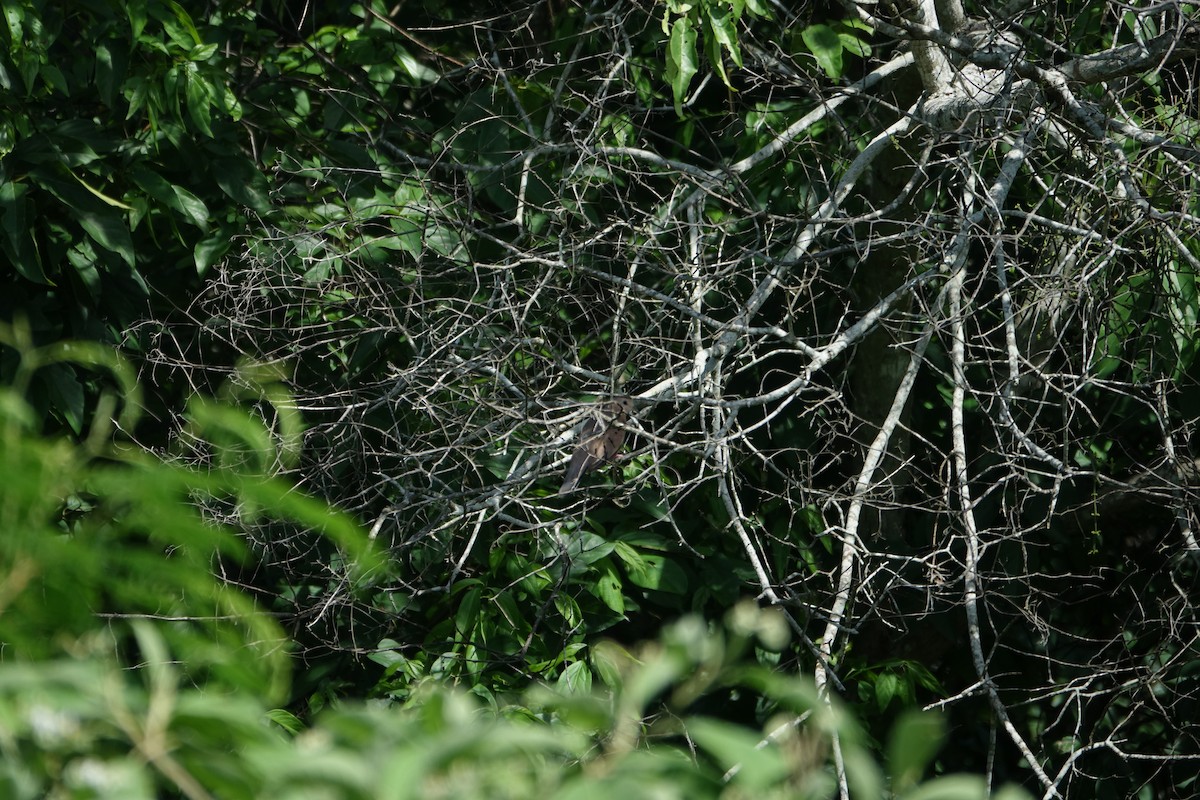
600	440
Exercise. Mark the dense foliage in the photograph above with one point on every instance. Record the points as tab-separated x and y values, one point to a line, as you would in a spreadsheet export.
131	671
905	294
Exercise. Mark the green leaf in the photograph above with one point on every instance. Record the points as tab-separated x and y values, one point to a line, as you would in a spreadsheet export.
723	28
181	29
760	768
608	587
681	60
632	559
136	91
758	9
108	230
202	52
444	240
914	741
209	251
18	243
568	608
417	71
137	18
54	78
192	207
851	43
66	394
110	69
507	604
824	43
82	256
886	686
172	196
238	178
285	719
467	616
101	196
575	679
587	548
611	662
199	101
716	58
652	571
386	656
951	787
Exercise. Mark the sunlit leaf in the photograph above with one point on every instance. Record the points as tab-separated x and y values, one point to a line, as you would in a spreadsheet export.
681	60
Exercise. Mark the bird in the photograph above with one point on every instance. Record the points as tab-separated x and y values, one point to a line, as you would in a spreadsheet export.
600	439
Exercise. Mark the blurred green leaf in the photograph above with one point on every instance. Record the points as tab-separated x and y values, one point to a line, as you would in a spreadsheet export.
759	767
914	741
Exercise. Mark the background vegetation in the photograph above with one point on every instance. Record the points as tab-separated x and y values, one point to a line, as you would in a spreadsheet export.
905	294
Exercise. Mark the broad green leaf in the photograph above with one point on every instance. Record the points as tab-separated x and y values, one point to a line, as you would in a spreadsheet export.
202	52
652	570
612	662
108	229
111	62
54	78
912	744
417	71
192	207
632	559
608	587
587	548
386	656
886	686
759	768
951	787
575	679
181	29
238	178
174	197
823	42
137	92
568	608
14	16
513	616
209	250
136	12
